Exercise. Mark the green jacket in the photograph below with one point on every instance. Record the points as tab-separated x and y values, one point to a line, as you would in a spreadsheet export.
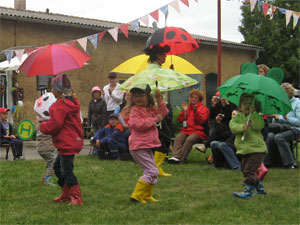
253	142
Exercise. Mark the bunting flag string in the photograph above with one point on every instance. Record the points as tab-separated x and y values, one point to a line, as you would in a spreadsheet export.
96	38
269	9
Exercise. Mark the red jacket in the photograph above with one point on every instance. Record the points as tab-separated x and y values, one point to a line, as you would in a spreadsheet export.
64	126
195	120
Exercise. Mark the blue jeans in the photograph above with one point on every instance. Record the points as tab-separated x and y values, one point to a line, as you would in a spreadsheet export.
63	169
279	143
221	151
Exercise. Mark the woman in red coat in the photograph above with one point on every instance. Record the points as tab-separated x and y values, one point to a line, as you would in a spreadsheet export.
193	118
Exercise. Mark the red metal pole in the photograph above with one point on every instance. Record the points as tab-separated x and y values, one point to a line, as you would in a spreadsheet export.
219	43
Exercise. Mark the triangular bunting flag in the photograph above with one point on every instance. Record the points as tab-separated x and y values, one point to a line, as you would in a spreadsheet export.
101	35
164	9
135	25
252	4
281	10
273	11
175	5
29	51
259	4
114	33
288	14
72	43
186	2
124	29
94	40
19	53
145	20
9	54
266	7
154	14
295	21
82	42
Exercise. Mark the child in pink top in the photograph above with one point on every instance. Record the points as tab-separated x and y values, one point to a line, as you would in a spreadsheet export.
144	116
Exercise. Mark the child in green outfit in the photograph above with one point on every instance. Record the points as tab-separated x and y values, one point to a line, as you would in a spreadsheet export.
252	147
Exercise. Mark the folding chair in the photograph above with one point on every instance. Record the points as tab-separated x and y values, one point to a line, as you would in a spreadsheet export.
7	147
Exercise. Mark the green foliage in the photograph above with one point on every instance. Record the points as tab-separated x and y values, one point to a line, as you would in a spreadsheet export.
176	124
197	193
281	43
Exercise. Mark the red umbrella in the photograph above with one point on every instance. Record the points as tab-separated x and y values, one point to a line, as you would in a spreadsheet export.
177	38
53	59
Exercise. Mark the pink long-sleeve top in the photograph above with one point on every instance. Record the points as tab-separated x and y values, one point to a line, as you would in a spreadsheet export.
144	133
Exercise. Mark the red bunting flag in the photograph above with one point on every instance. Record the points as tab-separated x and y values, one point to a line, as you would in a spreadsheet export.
124	29
154	14
72	43
186	2
266	7
101	35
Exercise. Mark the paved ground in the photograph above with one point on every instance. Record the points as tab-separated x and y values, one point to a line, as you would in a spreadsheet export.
30	152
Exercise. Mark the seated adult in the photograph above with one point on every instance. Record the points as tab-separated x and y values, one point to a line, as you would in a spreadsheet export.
224	153
194	117
277	141
220	114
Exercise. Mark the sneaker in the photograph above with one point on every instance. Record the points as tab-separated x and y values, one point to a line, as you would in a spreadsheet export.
201	148
173	160
49	180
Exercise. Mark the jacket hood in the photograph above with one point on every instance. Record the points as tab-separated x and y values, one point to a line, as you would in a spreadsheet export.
71	104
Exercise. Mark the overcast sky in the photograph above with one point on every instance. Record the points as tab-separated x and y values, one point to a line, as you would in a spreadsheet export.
199	18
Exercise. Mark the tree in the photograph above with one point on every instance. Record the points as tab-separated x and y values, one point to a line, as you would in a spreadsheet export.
281	43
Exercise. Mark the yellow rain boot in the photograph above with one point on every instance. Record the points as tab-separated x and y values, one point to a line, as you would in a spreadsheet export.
159	158
148	194
139	191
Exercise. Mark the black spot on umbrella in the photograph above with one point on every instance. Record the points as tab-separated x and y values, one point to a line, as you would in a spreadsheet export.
184	37
271	97
229	94
170	35
277	108
243	89
46	98
46	113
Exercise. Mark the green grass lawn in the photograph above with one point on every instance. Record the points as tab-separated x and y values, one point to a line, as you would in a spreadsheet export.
197	193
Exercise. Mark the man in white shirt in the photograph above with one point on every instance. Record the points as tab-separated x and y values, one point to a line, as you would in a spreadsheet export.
111	95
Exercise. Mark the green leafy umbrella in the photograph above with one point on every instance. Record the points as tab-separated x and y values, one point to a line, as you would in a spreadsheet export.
158	78
267	91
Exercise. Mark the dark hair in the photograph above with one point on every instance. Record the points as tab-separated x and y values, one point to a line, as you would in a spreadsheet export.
156	49
112	75
150	99
257	103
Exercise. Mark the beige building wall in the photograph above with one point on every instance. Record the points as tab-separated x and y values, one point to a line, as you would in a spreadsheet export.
107	56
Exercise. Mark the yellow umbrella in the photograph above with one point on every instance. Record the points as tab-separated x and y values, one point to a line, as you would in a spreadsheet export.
139	63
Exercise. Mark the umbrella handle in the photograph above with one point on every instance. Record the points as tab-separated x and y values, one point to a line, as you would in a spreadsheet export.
243	137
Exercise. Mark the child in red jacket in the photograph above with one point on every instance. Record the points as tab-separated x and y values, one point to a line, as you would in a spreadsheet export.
65	128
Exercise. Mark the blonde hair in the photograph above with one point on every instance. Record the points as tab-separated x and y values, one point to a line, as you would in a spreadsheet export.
288	88
264	67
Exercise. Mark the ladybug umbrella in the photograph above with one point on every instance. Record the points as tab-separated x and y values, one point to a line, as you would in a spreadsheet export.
177	38
53	59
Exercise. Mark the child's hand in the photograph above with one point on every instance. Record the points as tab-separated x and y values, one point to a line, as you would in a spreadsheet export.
157	94
160	117
98	143
246	126
13	136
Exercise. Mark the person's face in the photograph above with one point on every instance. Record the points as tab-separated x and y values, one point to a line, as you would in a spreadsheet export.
113	121
161	58
96	94
261	71
4	116
234	113
288	94
56	93
128	97
194	99
140	100
247	106
113	81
